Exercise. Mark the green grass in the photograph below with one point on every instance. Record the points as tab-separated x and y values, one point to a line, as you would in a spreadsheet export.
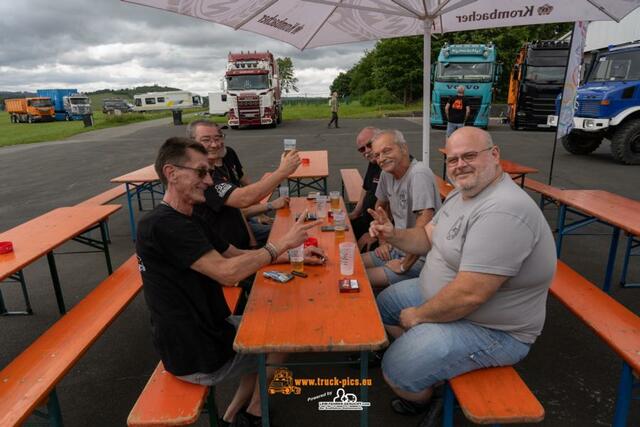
25	133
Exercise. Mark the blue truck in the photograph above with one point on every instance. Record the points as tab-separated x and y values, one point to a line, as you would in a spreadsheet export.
473	66
608	106
67	103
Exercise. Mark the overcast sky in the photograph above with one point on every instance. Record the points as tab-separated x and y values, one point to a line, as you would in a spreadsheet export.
98	44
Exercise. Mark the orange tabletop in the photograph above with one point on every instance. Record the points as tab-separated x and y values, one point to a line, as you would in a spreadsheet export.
43	234
310	314
145	174
318	165
608	207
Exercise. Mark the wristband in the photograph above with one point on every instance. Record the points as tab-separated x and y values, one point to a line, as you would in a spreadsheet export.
273	252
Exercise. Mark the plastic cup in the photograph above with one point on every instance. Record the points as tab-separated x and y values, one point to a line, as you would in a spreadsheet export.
284	191
347	254
289	144
335	200
296	257
321	207
339	223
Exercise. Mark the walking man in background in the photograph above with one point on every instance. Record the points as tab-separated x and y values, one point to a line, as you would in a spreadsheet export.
457	111
334	109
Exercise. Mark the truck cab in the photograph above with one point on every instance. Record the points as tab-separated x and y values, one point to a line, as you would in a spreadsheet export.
608	106
536	80
253	89
473	66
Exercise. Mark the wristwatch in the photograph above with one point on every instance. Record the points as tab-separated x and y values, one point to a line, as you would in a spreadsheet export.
269	206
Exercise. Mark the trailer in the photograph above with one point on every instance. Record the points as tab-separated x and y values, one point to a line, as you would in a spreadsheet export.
158	101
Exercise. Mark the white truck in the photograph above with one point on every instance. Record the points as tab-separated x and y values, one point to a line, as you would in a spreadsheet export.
253	90
174	100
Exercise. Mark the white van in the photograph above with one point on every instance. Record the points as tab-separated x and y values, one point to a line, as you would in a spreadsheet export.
155	101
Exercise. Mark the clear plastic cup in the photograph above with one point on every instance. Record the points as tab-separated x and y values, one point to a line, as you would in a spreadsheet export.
347	254
284	191
321	207
340	223
289	144
334	196
296	258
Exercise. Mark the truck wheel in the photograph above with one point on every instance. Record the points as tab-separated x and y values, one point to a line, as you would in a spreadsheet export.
579	144
29	119
67	117
234	127
13	119
625	144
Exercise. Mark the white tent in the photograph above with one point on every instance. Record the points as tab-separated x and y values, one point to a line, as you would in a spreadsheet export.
313	23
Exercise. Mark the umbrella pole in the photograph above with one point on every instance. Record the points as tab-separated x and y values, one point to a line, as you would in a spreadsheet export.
426	89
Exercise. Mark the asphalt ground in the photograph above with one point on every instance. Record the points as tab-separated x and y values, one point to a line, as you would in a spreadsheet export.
572	372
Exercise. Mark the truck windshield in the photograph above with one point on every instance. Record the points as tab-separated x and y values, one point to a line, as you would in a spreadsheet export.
40	103
464	72
79	101
545	74
616	66
248	82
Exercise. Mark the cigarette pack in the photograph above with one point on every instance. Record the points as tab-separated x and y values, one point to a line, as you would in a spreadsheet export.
348	285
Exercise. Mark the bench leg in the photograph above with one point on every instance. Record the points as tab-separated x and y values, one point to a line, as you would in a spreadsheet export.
17	277
56	282
264	396
53	408
211	407
632	243
449	402
364	366
613	249
562	215
105	245
623	399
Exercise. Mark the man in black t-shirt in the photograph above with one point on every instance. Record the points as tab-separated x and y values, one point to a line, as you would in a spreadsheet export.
231	190
457	111
360	218
183	264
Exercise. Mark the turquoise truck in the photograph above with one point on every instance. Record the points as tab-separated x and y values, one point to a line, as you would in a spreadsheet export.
473	66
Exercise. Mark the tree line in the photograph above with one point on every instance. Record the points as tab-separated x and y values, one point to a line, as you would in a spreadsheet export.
392	71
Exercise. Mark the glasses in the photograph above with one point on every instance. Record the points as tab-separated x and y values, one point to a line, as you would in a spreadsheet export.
365	146
201	172
385	152
467	157
216	138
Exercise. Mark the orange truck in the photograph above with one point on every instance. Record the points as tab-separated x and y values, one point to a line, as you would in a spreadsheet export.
29	110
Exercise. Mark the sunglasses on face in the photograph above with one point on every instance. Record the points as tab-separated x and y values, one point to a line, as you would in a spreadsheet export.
364	147
467	157
201	172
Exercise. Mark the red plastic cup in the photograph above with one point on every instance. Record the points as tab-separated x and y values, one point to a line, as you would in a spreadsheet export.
7	247
311	241
306	161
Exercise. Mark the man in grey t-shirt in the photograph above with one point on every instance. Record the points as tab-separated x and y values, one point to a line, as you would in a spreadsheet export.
481	297
408	191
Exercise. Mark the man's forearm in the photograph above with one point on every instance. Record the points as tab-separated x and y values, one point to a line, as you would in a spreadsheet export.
243	197
449	305
254	210
412	240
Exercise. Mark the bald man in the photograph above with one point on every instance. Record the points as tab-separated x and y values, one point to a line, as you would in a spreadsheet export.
481	297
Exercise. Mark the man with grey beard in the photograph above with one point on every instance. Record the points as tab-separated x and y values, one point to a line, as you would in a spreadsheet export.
480	299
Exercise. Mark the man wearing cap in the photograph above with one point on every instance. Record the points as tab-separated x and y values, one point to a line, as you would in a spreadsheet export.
457	111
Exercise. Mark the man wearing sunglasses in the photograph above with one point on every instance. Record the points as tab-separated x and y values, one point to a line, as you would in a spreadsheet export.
232	198
480	299
360	217
407	189
184	264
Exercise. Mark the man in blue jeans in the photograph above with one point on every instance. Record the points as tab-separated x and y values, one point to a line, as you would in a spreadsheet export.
480	299
457	111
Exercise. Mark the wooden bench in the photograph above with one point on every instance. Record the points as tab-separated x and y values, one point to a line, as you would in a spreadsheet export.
351	185
492	396
30	379
168	401
616	325
106	197
443	187
548	193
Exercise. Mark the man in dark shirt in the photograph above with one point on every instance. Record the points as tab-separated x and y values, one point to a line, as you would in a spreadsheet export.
184	263
457	111
360	217
230	194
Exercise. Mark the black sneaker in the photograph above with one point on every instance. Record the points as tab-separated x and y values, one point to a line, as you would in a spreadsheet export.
375	359
406	407
245	419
